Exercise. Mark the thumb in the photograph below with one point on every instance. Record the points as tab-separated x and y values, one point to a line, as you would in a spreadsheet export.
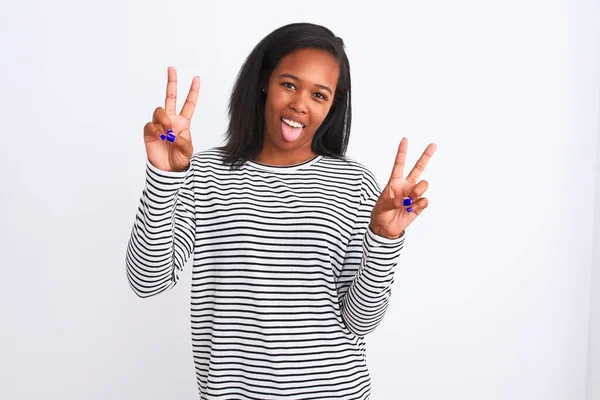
395	203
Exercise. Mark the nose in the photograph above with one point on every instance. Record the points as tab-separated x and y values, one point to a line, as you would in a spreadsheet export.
298	104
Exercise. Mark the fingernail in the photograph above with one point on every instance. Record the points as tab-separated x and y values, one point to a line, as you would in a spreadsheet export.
162	136
407	202
170	131
171	138
409	209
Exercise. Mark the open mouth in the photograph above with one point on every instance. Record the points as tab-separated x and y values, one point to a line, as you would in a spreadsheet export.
291	123
290	129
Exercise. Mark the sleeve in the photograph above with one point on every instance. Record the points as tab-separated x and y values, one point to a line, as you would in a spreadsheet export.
367	276
163	233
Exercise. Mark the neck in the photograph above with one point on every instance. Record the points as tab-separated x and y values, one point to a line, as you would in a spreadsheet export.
269	157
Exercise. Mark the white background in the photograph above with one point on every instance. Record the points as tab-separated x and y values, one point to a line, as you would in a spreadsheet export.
497	292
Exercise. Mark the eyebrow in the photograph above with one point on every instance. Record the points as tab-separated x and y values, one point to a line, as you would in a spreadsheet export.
295	78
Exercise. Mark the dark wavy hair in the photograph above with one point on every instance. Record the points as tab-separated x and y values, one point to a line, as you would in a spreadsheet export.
245	134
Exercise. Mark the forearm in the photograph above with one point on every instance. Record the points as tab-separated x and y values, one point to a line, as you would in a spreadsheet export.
163	233
365	303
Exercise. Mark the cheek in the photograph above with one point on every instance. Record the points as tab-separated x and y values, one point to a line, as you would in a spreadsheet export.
278	97
319	115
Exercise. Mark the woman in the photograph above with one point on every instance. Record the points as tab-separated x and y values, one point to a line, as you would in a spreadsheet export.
294	244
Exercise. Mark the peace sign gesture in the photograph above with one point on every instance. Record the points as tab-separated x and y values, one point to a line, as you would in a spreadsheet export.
400	202
167	138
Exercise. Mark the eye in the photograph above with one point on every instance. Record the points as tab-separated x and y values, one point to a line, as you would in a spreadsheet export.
288	85
321	96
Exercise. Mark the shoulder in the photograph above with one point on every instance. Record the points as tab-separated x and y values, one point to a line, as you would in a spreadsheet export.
212	157
351	167
210	160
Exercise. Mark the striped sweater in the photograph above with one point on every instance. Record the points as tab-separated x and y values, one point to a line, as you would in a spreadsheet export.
287	276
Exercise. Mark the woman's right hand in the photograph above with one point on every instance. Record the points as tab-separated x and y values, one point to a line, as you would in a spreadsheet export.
176	155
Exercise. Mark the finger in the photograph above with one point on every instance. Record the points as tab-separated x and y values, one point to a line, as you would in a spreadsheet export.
160	117
152	130
418	207
419	189
184	133
398	170
398	204
192	98
419	167
184	146
171	98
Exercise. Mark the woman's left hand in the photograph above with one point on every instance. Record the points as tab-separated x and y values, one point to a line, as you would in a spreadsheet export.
394	212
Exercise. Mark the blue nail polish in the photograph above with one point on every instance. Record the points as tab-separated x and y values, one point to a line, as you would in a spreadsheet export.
171	137
170	131
407	202
409	209
162	136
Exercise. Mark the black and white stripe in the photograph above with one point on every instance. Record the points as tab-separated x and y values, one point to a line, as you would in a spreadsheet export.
287	277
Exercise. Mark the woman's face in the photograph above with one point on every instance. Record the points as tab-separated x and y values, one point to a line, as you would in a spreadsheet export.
300	93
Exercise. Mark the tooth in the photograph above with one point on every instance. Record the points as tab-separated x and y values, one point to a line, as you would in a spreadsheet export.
293	124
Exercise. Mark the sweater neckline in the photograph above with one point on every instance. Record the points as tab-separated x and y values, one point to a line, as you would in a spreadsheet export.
285	168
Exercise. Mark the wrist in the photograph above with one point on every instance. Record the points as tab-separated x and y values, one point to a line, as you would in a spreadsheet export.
176	169
384	234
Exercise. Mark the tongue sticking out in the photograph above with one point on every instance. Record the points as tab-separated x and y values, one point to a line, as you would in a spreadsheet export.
290	134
